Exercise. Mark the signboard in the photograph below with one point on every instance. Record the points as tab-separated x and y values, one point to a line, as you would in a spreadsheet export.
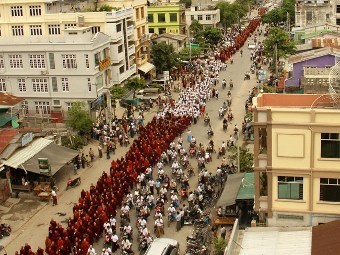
44	166
261	75
104	63
26	139
166	75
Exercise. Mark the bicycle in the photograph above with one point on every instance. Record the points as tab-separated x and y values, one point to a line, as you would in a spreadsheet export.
89	164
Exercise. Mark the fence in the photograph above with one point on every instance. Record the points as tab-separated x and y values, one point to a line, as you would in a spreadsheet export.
230	249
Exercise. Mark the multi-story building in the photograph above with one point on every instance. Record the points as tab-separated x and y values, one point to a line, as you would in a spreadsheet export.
296	159
313	12
141	33
166	18
35	22
206	16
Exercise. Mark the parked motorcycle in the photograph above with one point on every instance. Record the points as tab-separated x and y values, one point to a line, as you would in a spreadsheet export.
73	183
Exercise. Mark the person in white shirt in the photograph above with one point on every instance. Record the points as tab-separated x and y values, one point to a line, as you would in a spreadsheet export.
91	251
126	244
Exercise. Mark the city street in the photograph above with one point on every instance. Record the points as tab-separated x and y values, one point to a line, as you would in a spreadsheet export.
31	224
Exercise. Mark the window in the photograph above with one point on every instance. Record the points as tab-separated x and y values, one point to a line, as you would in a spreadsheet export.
39	85
95	29
330	145
35	29
17	11
87	61
54	84
290	187
24	107
173	17
64	84
137	13
151	30
119	27
96	59
15	61
37	61
120	48
89	84
51	58
2	63
162	30
42	107
22	85
192	17
161	17
338	22
208	17
150	17
199	17
2	85
142	14
54	29
17	30
330	190
35	10
69	105
66	26
121	69
338	8
69	61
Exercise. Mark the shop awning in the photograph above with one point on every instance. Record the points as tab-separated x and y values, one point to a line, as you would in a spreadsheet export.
57	155
230	190
27	157
147	67
247	188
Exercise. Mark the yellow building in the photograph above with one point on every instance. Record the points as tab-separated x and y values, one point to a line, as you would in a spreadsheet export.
296	159
166	18
142	42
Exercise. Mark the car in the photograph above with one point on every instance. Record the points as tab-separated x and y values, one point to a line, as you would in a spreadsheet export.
251	46
163	246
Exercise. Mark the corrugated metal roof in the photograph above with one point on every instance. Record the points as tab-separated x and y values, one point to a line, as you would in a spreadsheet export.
247	189
27	152
275	242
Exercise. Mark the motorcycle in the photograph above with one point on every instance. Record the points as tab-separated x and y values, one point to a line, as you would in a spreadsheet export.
206	121
73	183
247	76
225	126
231	85
224	84
210	133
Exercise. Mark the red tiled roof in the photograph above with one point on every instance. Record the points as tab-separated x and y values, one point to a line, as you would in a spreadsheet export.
9	100
6	136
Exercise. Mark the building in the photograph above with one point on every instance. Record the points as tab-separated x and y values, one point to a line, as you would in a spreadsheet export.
85	63
208	17
166	18
141	35
296	159
176	40
313	12
304	35
310	70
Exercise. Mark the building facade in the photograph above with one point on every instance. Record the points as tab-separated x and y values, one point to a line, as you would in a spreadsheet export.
296	159
166	18
47	23
141	34
208	17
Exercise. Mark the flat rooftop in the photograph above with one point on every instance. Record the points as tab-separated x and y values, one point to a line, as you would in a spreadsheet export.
292	100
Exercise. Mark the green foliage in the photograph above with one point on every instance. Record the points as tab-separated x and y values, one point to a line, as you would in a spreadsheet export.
117	92
105	8
246	158
185	53
74	142
219	245
268	89
135	84
195	28
157	86
164	56
279	37
212	35
279	15
231	13
186	2
78	119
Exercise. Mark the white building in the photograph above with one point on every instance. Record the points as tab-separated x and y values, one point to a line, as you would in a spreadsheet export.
41	28
208	17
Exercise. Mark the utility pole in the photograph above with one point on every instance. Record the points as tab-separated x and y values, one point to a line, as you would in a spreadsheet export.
189	39
276	67
288	22
238	159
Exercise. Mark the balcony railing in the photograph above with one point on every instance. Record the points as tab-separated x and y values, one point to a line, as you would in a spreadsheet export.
316	71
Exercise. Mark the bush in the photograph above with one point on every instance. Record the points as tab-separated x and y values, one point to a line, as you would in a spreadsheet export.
219	246
74	142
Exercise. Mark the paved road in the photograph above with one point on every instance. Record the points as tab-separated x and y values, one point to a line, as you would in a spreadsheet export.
30	225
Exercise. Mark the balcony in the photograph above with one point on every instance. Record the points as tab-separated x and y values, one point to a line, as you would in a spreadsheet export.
120	14
131	50
129	30
316	72
142	60
133	69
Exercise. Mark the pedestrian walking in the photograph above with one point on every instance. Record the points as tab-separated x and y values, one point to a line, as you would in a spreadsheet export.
223	232
75	168
54	197
158	186
189	136
91	153
216	94
182	217
178	221
108	151
100	151
83	160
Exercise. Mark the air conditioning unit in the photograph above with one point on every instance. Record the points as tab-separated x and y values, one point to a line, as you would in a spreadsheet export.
81	21
56	103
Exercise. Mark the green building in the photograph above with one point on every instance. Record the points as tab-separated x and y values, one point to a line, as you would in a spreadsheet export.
166	18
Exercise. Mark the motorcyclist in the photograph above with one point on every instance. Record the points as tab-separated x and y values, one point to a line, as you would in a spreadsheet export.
231	83
229	93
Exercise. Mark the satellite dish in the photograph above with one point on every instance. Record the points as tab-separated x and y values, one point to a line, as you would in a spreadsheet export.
334	81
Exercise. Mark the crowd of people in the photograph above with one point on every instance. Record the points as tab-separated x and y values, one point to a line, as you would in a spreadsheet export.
96	209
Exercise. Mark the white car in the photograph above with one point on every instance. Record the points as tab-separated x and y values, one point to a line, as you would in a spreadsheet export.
251	46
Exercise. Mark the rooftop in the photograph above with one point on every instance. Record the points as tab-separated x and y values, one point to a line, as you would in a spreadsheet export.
313	54
6	136
172	36
7	100
292	100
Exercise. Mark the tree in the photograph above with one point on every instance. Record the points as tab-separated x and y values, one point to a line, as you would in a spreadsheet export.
186	2
246	158
185	53
212	35
275	17
196	28
79	119
278	38
164	56
117	92
105	8
135	84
